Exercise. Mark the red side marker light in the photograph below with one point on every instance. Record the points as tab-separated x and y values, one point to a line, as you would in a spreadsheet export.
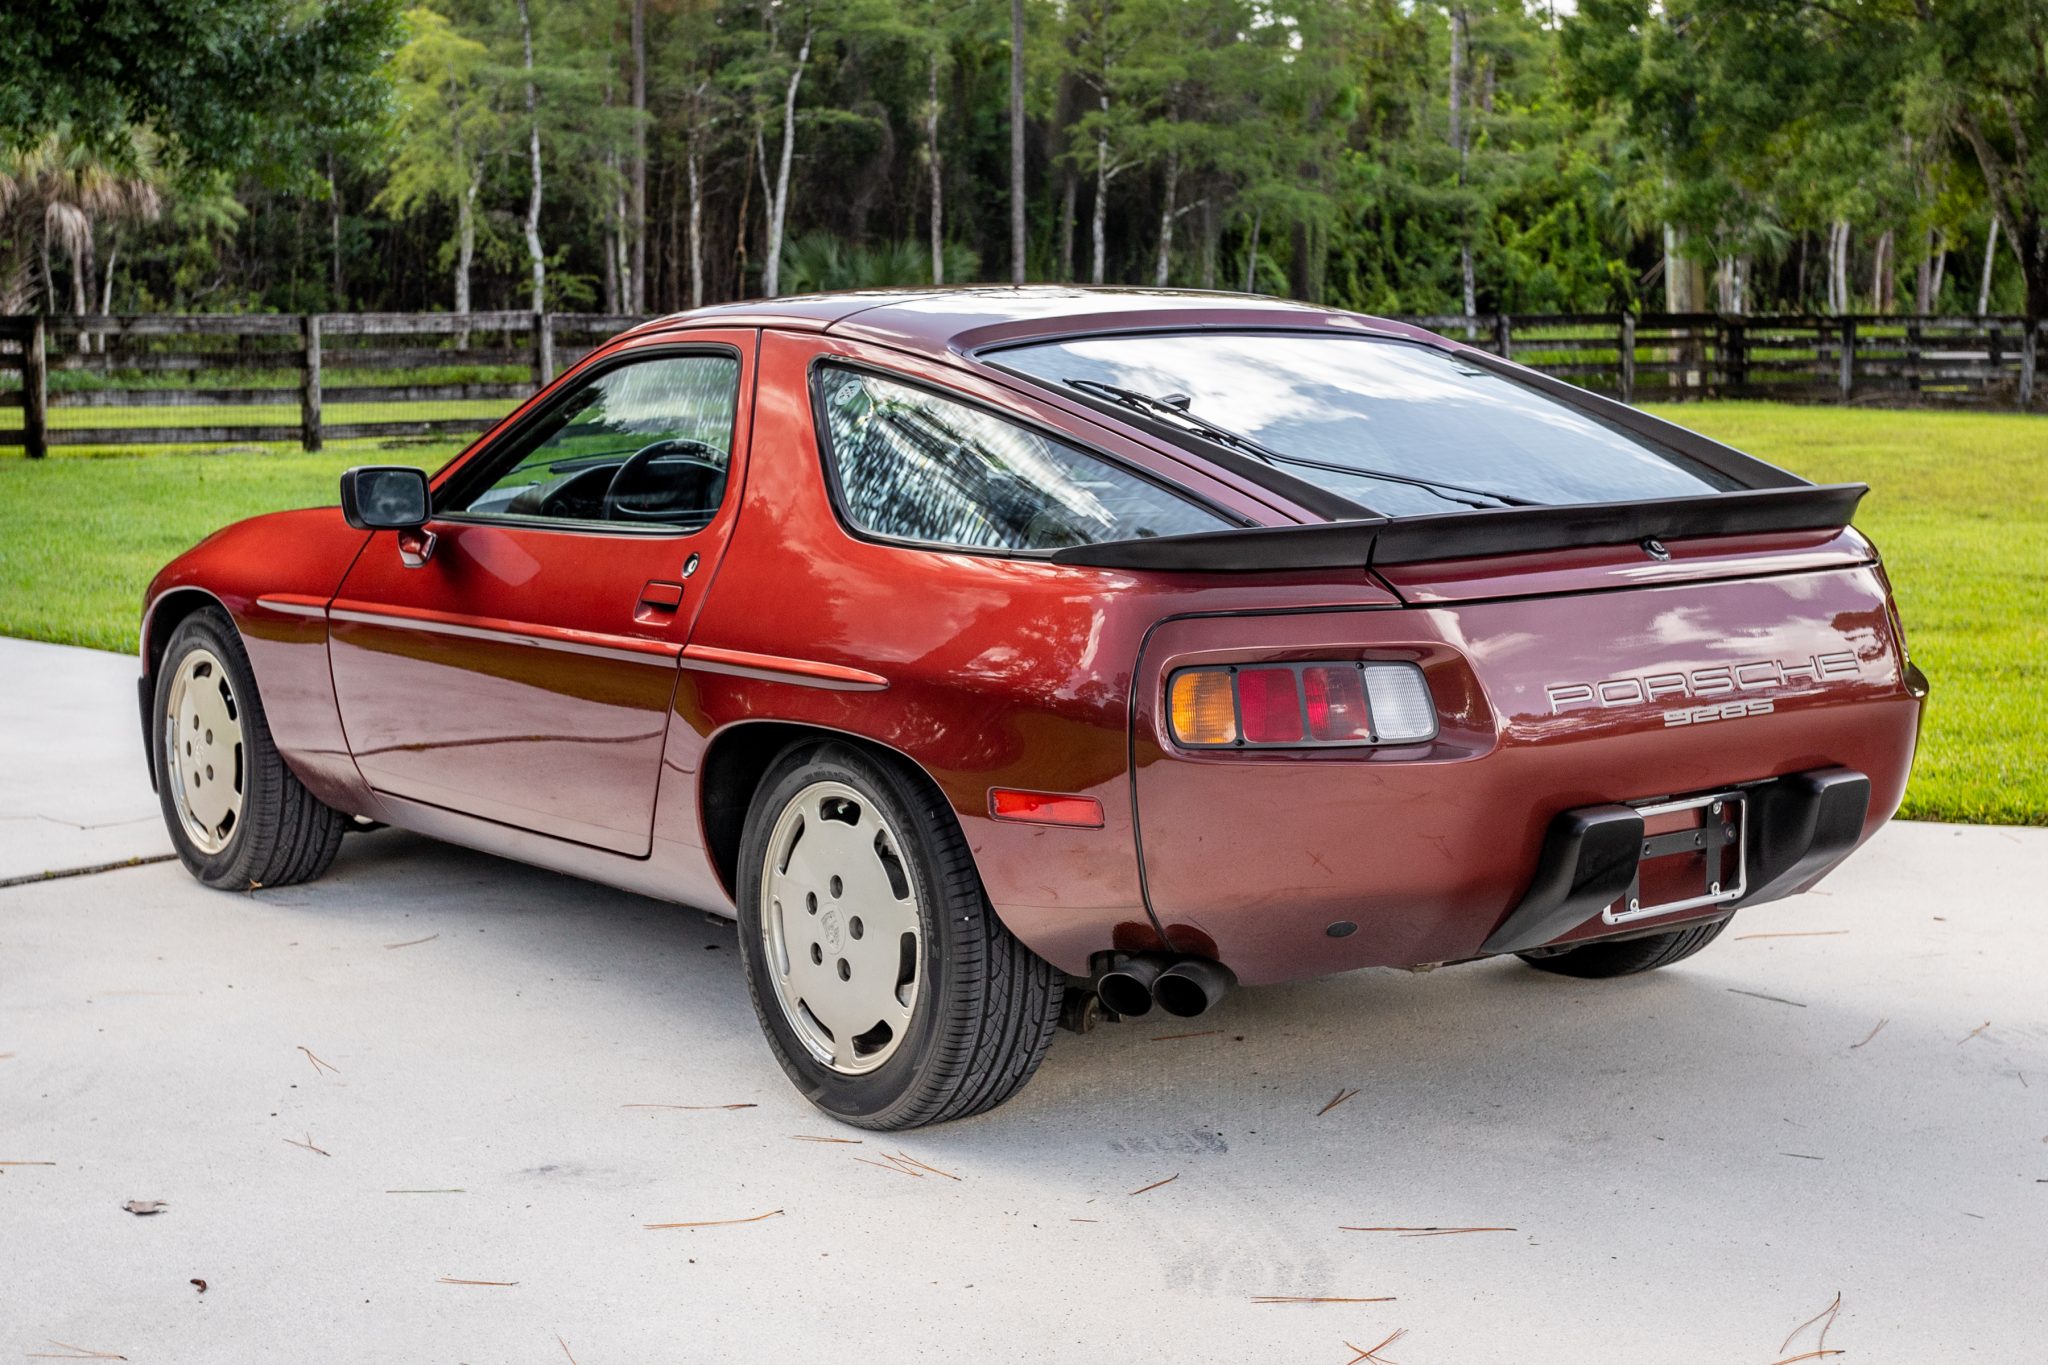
1045	808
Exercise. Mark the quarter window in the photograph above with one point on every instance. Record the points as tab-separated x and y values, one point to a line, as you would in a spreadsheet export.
645	445
911	465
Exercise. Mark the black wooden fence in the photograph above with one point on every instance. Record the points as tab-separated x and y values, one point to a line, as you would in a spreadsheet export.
265	378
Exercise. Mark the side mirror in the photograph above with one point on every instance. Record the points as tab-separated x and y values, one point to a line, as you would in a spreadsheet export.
385	497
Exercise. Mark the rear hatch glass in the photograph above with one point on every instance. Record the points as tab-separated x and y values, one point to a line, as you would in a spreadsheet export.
1399	428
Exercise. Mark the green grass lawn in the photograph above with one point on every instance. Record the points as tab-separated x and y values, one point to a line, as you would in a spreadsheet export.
80	538
1959	505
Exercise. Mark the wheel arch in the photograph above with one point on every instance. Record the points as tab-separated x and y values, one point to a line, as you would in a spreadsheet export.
160	621
739	757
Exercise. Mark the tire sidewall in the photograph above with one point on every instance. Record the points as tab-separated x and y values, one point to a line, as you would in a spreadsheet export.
876	1098
210	629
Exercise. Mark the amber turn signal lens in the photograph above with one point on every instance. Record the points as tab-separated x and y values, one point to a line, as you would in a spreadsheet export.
1202	707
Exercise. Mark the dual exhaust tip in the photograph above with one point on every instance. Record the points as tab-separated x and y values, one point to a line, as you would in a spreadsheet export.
1184	987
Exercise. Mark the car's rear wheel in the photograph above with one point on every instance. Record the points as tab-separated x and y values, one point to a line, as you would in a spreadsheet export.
238	816
890	992
1629	956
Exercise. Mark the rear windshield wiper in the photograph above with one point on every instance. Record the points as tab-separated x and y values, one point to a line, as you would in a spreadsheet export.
1173	409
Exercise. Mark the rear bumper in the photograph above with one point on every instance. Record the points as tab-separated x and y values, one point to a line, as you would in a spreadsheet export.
1798	827
1287	865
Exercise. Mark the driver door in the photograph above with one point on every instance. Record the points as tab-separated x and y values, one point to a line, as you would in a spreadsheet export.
524	670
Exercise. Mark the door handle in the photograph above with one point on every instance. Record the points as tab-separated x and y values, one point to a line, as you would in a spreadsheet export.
660	597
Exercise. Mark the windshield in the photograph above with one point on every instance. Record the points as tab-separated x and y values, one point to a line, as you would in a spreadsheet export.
1396	427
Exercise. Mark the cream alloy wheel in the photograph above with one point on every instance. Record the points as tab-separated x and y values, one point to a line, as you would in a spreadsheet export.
203	750
889	991
840	928
237	815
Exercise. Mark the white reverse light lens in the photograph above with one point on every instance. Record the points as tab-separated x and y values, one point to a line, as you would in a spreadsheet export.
1402	712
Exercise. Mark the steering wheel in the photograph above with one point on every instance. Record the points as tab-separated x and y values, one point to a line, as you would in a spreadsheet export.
614	506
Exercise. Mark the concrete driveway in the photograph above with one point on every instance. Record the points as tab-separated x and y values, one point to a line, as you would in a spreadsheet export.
426	1109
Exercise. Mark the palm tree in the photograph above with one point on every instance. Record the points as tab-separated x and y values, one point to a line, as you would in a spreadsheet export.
54	196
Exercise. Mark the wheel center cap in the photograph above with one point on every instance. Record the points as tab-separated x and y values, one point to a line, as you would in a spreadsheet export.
828	921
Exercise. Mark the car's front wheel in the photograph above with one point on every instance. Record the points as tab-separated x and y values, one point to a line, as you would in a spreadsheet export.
238	816
890	992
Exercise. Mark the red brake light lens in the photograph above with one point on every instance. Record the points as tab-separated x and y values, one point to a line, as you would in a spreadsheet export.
1337	711
1269	705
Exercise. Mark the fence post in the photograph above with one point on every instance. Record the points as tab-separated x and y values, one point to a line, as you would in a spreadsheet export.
1734	356
1503	336
1628	357
543	349
309	383
1848	358
2030	359
35	388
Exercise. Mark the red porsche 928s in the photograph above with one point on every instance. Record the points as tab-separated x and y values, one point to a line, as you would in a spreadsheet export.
991	653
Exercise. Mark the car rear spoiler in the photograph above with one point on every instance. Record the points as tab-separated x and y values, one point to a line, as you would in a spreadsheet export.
1466	535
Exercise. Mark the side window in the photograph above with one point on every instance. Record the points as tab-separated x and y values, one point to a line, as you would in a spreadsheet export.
647	444
914	466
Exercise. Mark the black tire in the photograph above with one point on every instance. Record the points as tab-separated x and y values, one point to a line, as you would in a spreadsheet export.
1629	956
282	835
986	1006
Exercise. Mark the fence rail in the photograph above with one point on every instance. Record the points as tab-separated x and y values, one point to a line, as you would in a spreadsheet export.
212	378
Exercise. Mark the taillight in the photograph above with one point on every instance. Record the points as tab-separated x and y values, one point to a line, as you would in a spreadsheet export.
1269	706
1297	706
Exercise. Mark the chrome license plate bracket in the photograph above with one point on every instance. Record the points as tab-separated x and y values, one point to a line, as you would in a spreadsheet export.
1723	828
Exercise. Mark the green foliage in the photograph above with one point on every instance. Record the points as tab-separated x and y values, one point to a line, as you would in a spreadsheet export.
229	84
339	154
819	261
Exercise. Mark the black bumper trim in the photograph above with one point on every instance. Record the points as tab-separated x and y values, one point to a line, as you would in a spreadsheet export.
1798	827
1589	862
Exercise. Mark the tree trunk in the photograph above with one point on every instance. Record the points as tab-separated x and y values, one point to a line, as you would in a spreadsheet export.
334	233
107	286
1098	214
778	203
1990	259
621	214
1838	267
49	278
2012	190
739	230
936	168
1251	251
1212	237
1940	270
81	275
1069	190
637	296
610	239
533	251
1460	40
694	165
1881	274
1017	141
465	249
1162	264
